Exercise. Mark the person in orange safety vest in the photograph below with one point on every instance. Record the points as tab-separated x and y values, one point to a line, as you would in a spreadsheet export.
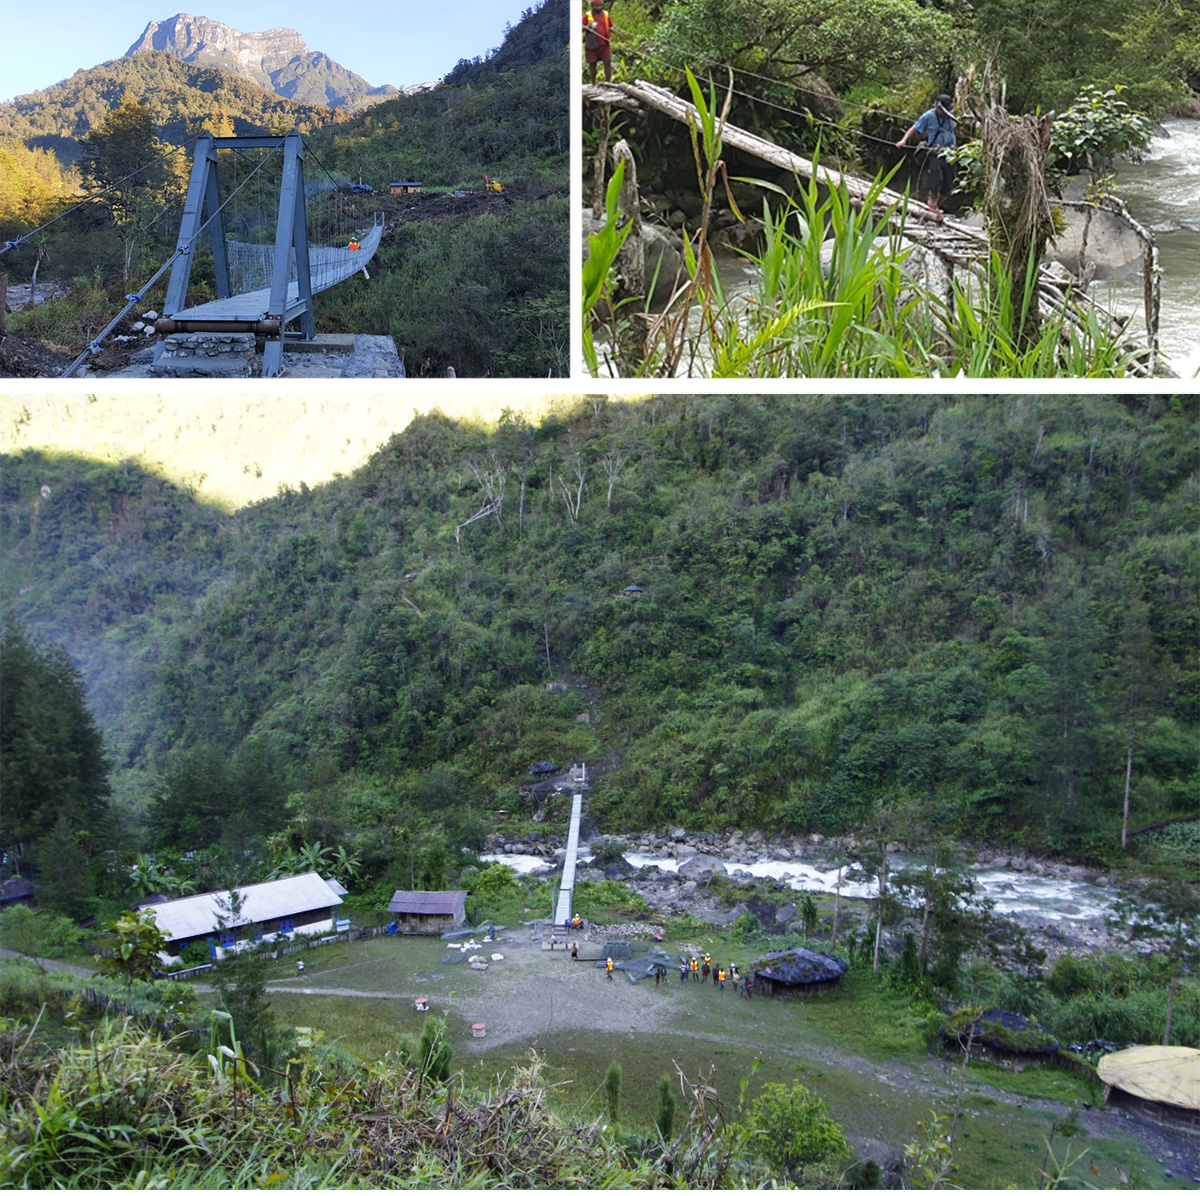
597	44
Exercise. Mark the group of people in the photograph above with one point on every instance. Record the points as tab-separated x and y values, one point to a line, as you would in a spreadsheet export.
701	968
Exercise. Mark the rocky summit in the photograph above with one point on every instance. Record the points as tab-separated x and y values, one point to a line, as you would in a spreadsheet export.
277	59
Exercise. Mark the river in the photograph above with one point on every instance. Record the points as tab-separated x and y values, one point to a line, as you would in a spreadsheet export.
1163	192
1023	896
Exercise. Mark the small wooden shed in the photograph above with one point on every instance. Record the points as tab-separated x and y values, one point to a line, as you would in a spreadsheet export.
419	912
405	188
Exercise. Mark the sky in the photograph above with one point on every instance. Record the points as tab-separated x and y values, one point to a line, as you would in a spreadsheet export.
385	41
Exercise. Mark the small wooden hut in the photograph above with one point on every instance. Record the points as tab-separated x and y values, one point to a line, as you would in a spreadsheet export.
419	912
1159	1083
1001	1037
798	972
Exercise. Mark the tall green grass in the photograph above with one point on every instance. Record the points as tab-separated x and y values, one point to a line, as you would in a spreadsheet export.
835	298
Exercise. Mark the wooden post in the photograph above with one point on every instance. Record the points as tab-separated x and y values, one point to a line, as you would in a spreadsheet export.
3	301
599	175
629	271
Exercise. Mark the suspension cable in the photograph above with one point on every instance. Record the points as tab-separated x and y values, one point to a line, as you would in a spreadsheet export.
95	346
808	116
91	198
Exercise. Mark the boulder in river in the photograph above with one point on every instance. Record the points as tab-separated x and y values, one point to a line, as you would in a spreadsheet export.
701	867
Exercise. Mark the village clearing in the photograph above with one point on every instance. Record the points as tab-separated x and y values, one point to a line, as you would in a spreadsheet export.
864	1051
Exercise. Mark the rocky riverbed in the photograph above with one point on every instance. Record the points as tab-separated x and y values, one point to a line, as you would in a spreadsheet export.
1062	906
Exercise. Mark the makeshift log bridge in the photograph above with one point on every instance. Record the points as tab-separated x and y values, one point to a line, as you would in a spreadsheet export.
957	244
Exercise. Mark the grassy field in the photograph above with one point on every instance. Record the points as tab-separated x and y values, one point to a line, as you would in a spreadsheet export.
864	1051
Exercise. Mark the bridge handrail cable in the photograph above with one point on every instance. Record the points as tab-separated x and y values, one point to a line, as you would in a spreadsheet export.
808	115
96	346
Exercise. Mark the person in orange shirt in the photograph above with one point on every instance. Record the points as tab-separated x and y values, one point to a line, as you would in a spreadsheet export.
597	39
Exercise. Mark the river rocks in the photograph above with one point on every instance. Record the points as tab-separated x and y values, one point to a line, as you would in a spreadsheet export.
701	867
785	914
1113	249
662	254
677	834
621	870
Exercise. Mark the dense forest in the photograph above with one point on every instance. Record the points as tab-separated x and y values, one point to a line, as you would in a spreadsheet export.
485	295
986	607
181	98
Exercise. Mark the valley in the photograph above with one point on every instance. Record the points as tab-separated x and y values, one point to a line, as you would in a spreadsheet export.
908	682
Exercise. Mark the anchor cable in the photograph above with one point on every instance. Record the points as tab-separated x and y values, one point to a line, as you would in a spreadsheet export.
96	346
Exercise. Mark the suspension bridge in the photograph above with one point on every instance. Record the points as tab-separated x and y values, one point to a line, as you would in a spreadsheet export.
261	288
957	244
269	256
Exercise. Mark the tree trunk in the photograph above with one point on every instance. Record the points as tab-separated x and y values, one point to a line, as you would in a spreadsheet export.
879	912
629	271
599	183
1170	1009
1016	206
1128	786
924	934
837	906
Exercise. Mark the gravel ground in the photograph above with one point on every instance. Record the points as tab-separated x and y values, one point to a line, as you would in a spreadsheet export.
532	992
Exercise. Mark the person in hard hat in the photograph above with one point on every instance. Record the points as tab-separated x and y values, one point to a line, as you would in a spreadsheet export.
354	243
597	39
608	967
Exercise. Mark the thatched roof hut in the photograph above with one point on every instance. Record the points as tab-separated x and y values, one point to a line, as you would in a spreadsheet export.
798	972
1007	1038
1161	1083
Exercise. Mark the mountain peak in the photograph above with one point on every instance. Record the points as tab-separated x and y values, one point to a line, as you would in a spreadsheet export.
277	59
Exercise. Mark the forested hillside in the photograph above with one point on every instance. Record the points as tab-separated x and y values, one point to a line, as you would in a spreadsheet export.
181	99
988	606
483	293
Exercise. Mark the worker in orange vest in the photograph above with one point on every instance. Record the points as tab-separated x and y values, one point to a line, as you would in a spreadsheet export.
597	43
608	967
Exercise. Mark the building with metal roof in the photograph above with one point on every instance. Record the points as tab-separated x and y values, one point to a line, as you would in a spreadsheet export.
1161	1083
302	904
420	912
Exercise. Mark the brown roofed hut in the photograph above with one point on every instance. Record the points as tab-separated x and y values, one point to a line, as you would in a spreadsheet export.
419	912
798	972
1161	1083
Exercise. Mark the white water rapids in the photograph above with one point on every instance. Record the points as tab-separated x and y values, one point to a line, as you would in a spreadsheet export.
1020	895
1163	192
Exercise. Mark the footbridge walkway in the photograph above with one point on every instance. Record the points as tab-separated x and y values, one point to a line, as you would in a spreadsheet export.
958	244
566	889
261	288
